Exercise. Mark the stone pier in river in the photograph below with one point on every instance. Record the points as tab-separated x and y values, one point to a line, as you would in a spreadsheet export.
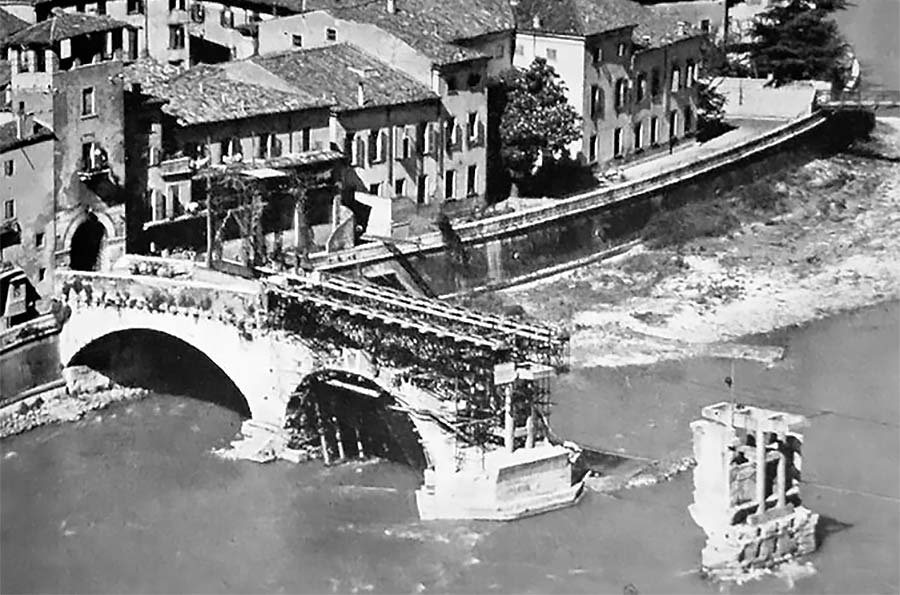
747	489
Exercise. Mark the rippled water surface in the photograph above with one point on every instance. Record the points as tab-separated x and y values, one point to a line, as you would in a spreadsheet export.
131	500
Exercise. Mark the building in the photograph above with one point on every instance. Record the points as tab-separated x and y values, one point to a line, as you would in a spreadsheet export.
62	74
451	47
26	197
333	113
629	71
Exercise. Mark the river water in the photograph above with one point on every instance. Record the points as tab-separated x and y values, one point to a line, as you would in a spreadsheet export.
131	499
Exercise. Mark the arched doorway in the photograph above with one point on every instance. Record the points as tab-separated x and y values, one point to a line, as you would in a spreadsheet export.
87	242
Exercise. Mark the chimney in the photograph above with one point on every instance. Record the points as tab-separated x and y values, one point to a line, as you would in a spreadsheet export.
513	3
682	28
360	94
646	39
24	124
536	22
302	5
391	6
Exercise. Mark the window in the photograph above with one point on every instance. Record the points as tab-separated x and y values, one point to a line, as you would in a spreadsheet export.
617	142
520	49
174	199
383	150
551	54
592	148
101	6
39	239
474	80
641	87
654	131
87	101
621	93
597	107
450	133
359	153
688	119
406	146
622	49
400	187
472	128
472	181
231	149
330	34
40	61
198	12
297	41
421	188
704	25
269	146
132	44
451	84
134	6
42	273
676	77
9	209
176	37
639	135
304	140
689	74
177	5
597	55
375	189
673	123
159	205
227	18
500	50
9	167
449	179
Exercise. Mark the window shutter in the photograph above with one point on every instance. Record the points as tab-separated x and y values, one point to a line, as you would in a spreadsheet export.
373	146
480	133
384	146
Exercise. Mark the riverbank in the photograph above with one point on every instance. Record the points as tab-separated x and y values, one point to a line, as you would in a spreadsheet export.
794	246
58	406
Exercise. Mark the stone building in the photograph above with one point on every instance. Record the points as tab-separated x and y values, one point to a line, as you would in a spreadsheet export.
26	194
628	69
451	47
331	111
63	74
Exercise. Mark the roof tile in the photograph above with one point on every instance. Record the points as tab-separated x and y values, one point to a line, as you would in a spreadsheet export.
63	25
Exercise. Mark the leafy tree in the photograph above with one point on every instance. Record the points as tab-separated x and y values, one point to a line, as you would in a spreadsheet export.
537	119
797	41
710	111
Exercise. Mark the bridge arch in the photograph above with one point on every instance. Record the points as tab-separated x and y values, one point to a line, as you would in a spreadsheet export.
353	415
261	368
163	363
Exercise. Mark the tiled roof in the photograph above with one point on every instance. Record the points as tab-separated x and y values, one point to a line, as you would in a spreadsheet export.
64	25
431	27
149	74
9	137
334	72
9	24
230	91
588	17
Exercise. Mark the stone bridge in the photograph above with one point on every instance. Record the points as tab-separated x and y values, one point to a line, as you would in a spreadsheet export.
472	387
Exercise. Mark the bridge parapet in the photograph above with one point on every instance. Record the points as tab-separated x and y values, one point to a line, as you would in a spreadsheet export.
240	308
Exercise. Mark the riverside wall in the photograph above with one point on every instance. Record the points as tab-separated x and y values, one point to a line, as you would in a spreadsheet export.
522	243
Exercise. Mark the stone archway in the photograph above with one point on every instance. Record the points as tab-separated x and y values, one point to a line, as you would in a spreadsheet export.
337	414
86	245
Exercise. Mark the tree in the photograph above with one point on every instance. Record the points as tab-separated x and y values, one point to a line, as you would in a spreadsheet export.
797	41
537	120
710	111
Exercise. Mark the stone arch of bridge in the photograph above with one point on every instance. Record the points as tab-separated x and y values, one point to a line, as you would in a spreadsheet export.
355	414
263	369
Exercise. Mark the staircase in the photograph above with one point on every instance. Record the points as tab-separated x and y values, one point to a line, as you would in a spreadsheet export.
413	273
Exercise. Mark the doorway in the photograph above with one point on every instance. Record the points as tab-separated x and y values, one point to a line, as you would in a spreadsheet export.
87	242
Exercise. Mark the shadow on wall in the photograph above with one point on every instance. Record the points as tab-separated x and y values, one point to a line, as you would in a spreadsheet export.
163	364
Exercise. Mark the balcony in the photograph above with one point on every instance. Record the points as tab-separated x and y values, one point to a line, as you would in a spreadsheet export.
176	166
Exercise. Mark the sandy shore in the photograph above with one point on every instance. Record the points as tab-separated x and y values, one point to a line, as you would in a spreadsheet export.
832	245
